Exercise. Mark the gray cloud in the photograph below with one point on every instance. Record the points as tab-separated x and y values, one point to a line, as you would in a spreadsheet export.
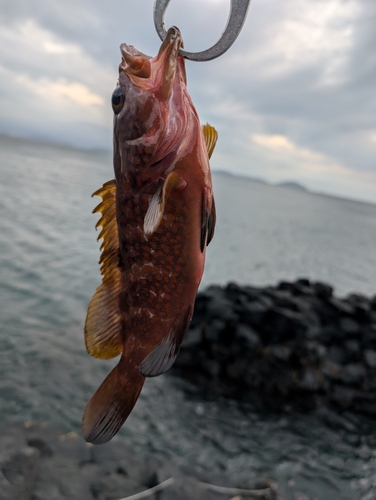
302	70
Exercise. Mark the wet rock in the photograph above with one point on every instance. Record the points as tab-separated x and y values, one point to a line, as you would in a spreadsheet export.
341	306
247	337
337	354
353	350
193	338
20	471
278	353
322	290
311	380
236	369
294	344
114	486
283	324
352	374
370	358
254	313
349	327
53	470
343	396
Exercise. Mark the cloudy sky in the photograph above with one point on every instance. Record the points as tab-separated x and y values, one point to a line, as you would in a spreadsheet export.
293	99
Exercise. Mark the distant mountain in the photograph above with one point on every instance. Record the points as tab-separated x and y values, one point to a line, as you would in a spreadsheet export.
292	185
286	184
224	173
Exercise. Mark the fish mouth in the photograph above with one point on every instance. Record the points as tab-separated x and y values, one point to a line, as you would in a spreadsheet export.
167	58
171	45
134	63
156	73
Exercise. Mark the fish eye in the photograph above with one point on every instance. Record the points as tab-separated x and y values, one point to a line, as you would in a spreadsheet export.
117	100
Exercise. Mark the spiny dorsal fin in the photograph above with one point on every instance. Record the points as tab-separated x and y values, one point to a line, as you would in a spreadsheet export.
103	319
211	136
157	203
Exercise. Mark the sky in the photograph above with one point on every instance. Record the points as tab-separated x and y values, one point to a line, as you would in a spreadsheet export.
294	99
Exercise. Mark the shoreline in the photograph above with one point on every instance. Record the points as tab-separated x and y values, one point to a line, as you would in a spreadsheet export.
41	462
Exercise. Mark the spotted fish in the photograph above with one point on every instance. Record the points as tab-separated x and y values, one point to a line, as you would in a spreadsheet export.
157	217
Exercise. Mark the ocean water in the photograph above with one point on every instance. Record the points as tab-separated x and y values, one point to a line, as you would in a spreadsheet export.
49	270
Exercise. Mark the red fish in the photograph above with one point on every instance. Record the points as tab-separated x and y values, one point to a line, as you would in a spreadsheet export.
157	217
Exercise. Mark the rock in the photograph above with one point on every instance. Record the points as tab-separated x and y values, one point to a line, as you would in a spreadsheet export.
279	353
114	486
349	327
322	290
247	337
20	470
353	350
220	307
368	336
311	380
213	329
352	374
361	304
294	345
341	306
110	455
283	324
193	337
370	358
236	369
253	313
52	470
337	354
182	490
60	477
343	396
284	299
315	352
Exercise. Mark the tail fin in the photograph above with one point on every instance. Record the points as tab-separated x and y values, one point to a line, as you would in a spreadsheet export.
111	404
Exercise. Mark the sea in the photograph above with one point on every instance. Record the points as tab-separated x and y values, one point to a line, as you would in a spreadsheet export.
49	271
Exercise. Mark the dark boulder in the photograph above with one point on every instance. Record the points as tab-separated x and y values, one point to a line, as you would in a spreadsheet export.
295	345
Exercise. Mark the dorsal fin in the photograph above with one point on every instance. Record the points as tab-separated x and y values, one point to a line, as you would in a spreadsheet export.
103	320
211	136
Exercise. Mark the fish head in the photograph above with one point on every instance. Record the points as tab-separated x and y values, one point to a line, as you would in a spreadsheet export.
152	109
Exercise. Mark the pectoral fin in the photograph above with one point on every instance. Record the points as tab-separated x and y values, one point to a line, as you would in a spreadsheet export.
208	218
103	320
157	203
211	136
162	357
211	223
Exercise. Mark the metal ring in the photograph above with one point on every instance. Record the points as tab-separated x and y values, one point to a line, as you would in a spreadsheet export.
238	13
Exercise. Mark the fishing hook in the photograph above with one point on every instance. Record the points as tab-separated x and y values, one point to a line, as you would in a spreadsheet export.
238	13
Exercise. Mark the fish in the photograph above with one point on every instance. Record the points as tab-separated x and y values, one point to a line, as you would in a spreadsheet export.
157	217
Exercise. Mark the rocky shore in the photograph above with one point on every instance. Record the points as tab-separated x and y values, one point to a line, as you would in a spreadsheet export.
294	346
40	462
